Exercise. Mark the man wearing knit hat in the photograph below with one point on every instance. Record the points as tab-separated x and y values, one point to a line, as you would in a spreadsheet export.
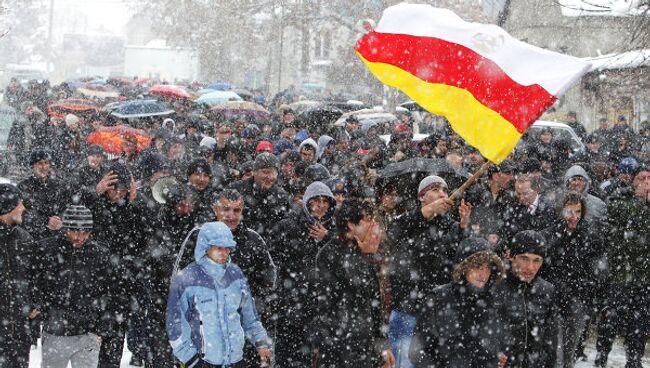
16	303
44	196
424	243
528	304
72	305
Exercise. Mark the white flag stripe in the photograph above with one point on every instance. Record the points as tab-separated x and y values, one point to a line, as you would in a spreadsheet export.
524	63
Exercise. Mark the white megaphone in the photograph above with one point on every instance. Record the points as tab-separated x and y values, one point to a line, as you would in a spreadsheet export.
163	187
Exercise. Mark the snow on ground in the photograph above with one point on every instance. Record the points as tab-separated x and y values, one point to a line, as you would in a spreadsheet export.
616	357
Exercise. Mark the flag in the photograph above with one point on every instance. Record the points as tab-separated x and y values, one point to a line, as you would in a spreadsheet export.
490	86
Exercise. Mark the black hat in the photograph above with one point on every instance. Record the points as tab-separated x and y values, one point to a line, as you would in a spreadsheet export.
469	246
77	217
529	166
290	156
246	167
95	149
528	241
39	155
123	176
352	119
505	167
9	198
317	172
153	163
200	165
265	160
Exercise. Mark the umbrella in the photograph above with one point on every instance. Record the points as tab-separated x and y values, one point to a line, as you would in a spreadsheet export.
203	91
321	116
94	90
72	106
140	109
219	86
168	90
300	106
218	97
241	108
411	171
111	138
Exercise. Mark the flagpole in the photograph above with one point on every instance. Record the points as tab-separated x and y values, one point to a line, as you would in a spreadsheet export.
472	179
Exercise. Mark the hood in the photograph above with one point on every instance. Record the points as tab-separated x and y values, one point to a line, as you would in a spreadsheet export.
318	189
367	124
577	170
213	233
308	142
323	141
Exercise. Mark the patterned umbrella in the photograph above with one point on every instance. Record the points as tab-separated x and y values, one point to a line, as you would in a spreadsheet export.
111	138
72	106
241	108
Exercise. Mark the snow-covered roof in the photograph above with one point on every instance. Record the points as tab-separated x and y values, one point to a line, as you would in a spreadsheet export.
607	8
629	59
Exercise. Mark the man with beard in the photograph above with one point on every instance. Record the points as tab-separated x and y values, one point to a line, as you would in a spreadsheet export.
44	197
295	243
16	304
266	203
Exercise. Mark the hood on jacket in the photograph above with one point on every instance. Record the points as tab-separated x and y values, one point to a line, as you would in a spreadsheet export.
213	233
367	124
577	170
318	189
308	142
323	141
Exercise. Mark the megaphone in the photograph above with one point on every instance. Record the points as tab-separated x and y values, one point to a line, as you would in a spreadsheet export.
164	188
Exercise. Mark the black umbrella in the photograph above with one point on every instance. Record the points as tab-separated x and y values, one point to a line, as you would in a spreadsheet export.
140	109
320	116
405	176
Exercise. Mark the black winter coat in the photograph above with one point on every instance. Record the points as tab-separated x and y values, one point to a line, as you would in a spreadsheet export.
530	313
349	321
575	262
459	327
42	199
15	281
71	286
422	256
264	209
517	218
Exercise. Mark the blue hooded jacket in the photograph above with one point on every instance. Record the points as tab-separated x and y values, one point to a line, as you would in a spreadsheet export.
210	307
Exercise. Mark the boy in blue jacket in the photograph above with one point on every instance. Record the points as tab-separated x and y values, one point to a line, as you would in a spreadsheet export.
210	307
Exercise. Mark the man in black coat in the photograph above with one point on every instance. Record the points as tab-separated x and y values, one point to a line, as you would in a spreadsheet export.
72	275
295	242
44	196
459	325
349	324
15	268
532	211
575	264
120	223
266	203
424	245
528	304
90	172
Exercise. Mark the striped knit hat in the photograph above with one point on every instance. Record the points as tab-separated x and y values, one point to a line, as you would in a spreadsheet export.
77	217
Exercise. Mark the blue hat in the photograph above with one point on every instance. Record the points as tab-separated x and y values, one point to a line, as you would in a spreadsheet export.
213	234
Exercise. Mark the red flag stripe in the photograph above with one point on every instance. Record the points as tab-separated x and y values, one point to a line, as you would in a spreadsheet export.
434	60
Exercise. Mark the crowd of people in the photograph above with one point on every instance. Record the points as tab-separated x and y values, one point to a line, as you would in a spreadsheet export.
280	243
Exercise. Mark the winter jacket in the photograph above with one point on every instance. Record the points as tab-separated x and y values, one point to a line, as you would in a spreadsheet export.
459	327
628	238
530	314
422	256
42	199
263	209
575	262
596	208
71	286
209	311
15	281
312	143
349	321
518	218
